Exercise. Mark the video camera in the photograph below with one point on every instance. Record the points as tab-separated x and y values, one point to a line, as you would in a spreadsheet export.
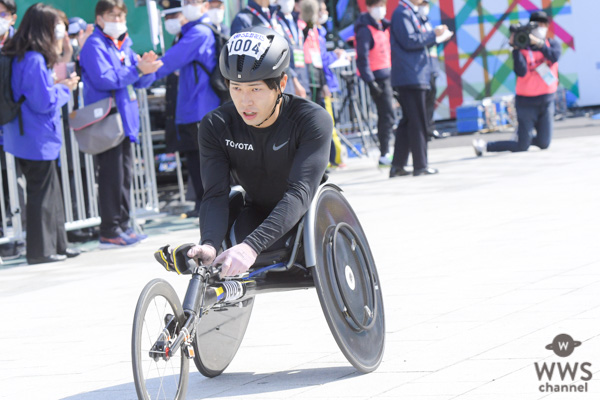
521	34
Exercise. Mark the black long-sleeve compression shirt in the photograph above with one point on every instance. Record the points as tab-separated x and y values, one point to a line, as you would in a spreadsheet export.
280	167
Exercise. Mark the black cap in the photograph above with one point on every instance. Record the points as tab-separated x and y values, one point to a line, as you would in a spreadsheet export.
168	4
538	16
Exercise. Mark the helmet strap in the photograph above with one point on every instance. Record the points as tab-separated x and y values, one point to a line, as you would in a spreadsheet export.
279	96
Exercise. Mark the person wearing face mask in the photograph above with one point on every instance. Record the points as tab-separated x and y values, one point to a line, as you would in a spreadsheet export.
36	48
192	55
308	23
374	62
411	77
216	15
536	68
328	57
297	71
110	68
8	17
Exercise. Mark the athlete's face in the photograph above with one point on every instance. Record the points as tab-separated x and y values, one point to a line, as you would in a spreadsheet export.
254	101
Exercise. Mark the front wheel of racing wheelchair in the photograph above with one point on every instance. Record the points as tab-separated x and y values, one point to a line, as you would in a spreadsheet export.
329	244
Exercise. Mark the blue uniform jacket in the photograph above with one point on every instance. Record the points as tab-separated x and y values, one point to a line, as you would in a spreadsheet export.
410	58
41	139
364	44
245	19
195	96
103	72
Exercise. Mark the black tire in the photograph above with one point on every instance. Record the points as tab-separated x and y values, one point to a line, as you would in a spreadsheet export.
347	282
219	335
157	379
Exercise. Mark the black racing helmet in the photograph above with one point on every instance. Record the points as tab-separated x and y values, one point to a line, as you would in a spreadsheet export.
254	54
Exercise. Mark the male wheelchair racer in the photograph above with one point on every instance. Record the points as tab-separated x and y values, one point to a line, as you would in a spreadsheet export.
328	250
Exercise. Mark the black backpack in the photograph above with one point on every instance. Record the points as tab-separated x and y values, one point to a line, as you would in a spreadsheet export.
217	82
9	109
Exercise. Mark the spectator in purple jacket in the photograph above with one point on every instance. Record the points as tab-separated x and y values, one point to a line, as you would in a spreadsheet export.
111	68
34	137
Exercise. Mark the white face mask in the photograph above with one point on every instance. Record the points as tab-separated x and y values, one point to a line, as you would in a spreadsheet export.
192	12
114	29
272	2
60	31
424	10
378	13
540	32
287	6
173	26
323	19
216	15
4	25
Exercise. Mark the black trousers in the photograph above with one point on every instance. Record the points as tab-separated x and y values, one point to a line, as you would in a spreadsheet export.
411	134
430	102
46	234
188	147
114	188
385	114
249	219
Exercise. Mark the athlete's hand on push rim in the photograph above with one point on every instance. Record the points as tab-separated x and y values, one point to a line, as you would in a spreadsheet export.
205	253
236	260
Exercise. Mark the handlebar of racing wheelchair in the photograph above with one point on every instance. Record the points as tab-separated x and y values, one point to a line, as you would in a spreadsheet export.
206	289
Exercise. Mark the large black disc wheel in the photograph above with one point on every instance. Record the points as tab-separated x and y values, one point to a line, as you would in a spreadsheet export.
158	374
219	335
346	280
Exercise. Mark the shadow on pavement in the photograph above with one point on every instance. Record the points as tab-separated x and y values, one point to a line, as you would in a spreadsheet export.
235	384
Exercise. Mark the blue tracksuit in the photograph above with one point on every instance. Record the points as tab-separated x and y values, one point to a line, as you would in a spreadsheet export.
195	96
410	58
41	140
104	69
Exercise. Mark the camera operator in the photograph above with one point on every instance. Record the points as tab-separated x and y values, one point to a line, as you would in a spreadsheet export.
536	67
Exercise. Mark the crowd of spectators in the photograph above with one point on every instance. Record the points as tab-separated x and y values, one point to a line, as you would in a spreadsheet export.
50	53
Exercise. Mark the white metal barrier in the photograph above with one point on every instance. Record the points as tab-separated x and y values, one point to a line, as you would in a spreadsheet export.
144	193
78	176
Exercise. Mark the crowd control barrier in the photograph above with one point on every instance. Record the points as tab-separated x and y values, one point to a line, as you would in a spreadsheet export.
78	178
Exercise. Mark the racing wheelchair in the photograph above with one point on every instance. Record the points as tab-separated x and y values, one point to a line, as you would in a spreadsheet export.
328	251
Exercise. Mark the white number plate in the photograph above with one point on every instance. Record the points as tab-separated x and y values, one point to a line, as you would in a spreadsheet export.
248	44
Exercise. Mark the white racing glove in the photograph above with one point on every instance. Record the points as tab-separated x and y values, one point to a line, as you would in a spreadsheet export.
205	253
236	260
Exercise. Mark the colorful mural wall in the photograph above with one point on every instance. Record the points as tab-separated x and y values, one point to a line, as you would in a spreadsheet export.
477	60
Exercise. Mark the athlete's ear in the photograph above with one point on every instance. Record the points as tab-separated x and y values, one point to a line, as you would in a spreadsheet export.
283	82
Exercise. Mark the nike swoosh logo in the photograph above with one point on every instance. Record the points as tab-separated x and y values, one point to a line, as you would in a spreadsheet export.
275	148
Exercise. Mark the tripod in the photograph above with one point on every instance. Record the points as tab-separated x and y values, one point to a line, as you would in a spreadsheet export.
357	118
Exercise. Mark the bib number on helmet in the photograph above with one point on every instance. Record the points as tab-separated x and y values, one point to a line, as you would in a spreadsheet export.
248	44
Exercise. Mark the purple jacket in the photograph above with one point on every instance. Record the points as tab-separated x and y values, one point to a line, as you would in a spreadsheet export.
41	139
103	72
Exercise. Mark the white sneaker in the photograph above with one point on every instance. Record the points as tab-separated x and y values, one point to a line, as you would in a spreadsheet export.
384	161
480	147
